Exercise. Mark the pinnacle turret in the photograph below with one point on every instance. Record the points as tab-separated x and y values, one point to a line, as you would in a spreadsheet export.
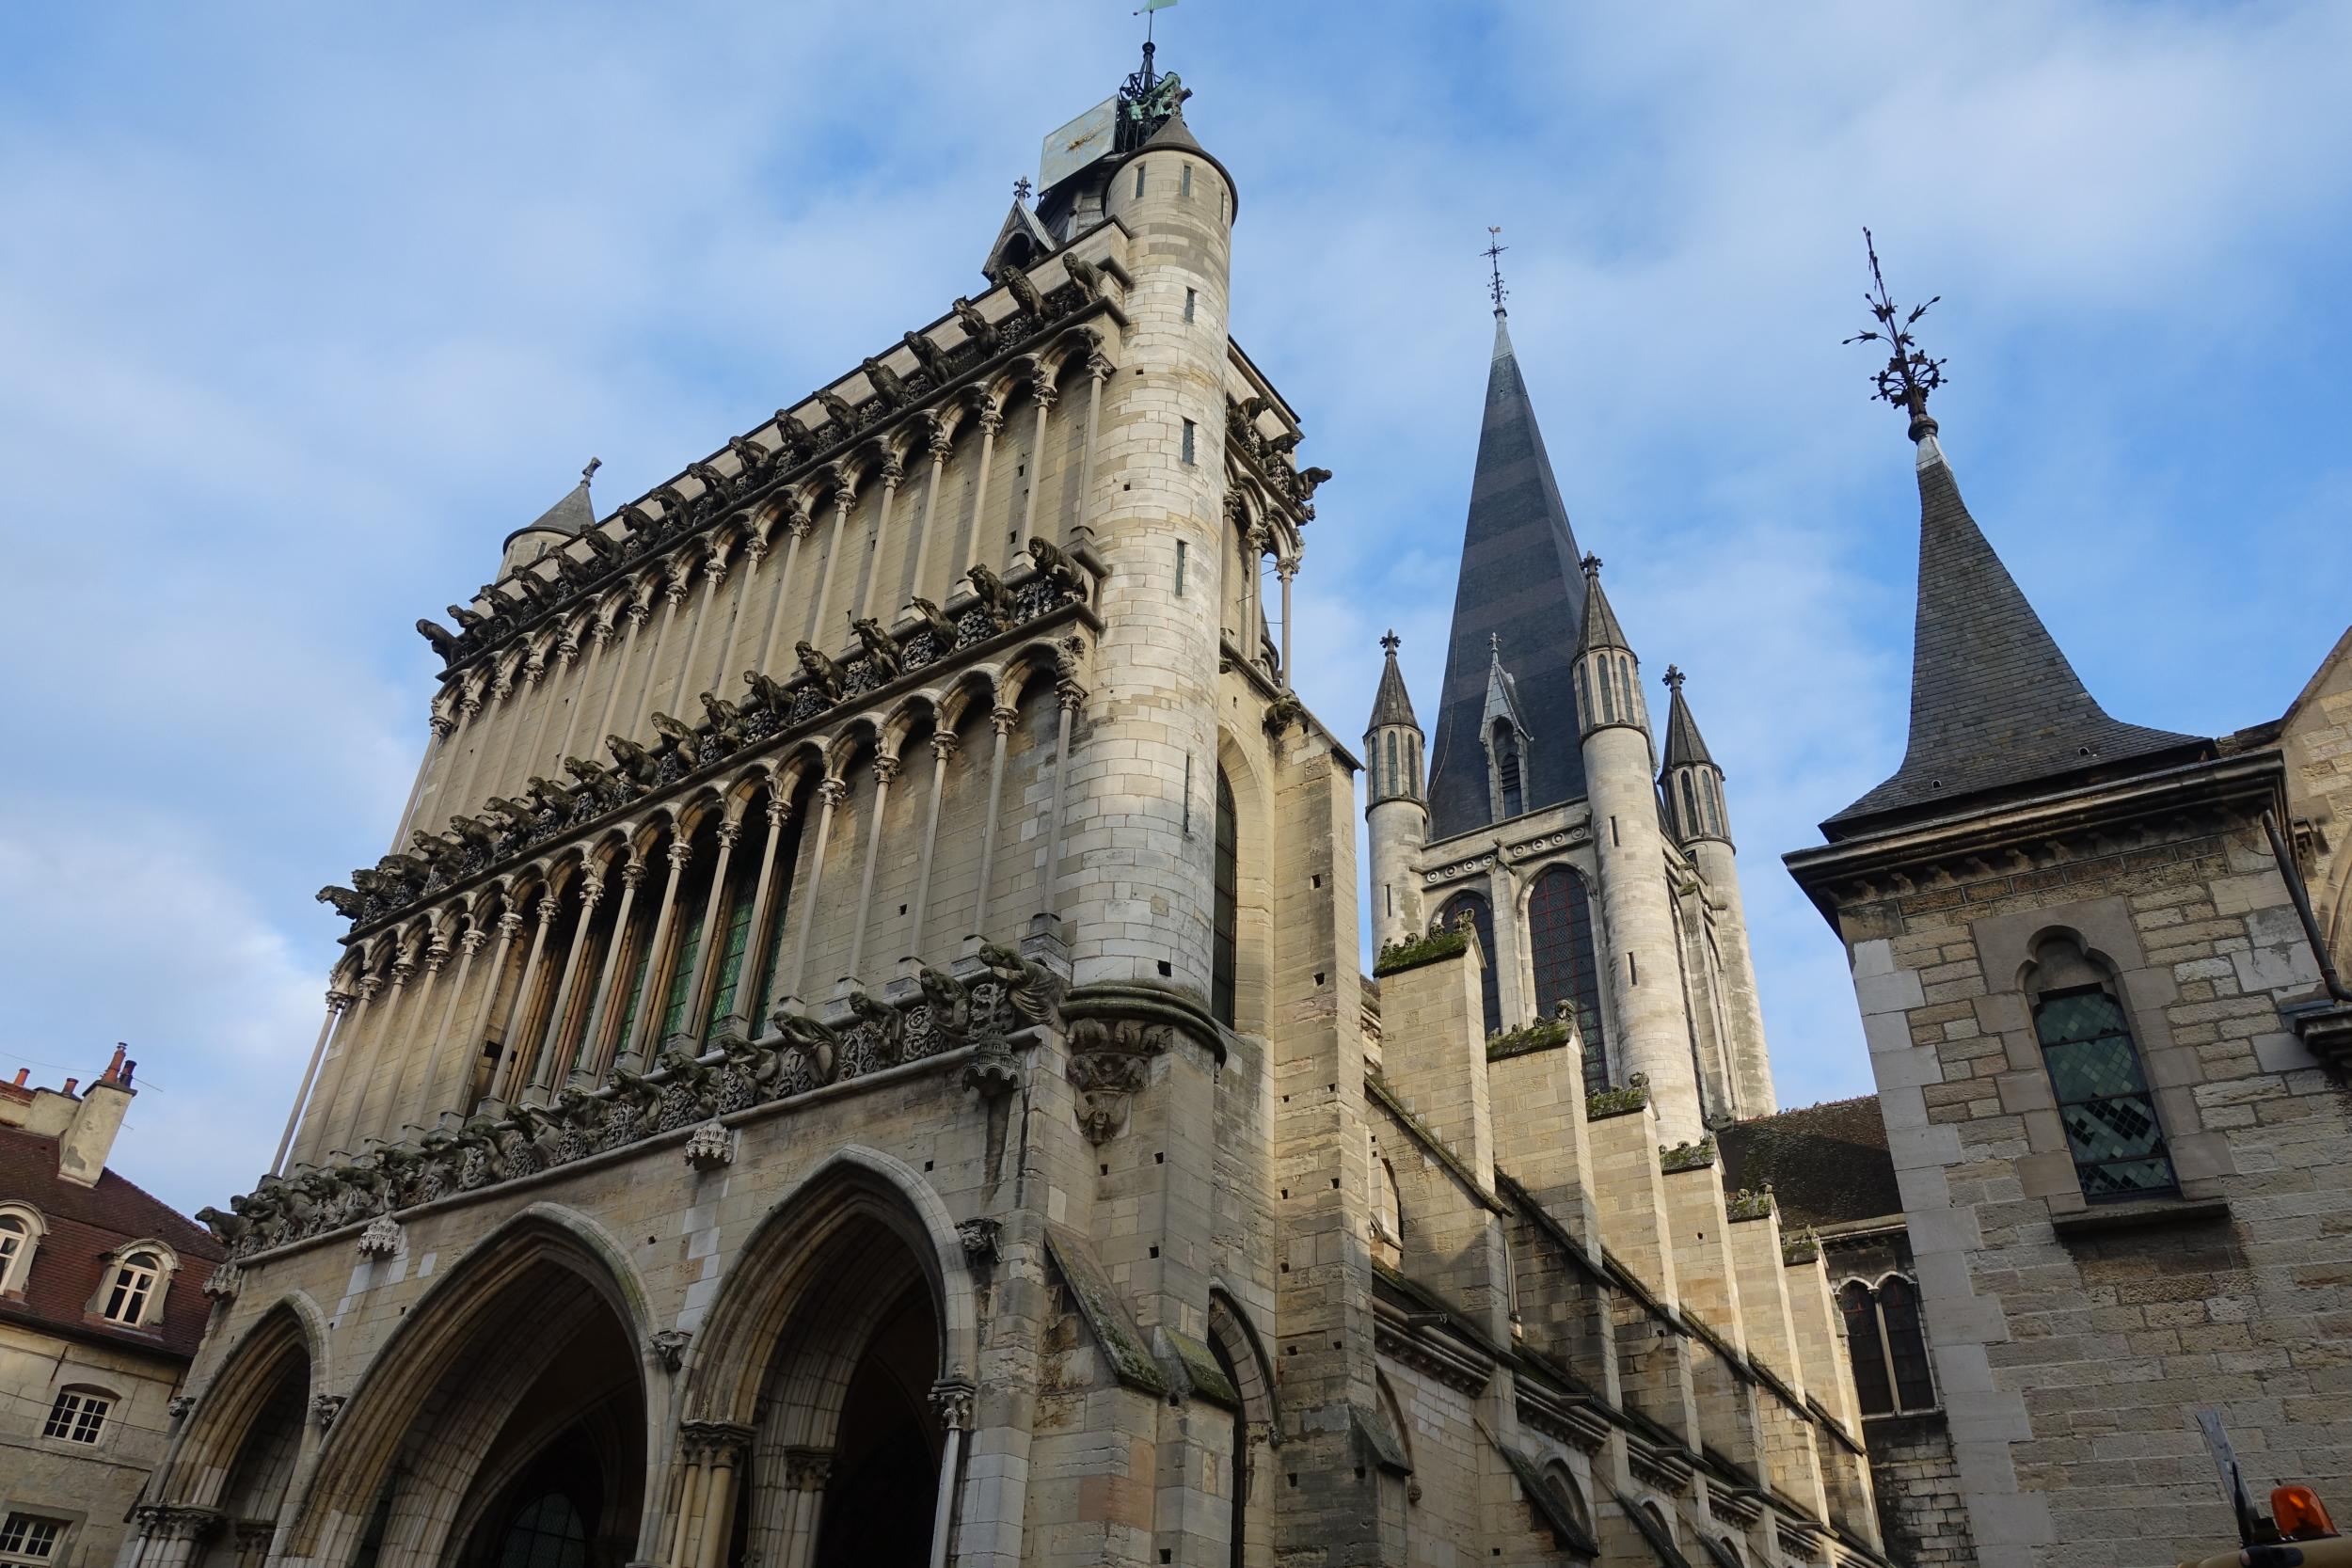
1692	783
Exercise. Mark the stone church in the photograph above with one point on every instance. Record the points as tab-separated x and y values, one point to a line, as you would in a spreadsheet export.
856	1053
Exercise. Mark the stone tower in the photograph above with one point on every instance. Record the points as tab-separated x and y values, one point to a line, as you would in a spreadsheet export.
1700	819
1395	814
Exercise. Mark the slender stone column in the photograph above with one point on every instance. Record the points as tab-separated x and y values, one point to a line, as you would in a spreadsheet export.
744	1015
690	1505
1247	611
385	1039
1044	392
832	792
1098	370
469	725
808	1472
515	711
416	1065
566	652
992	421
311	1144
1503	896
756	548
714	909
550	1068
615	954
441	725
469	1053
952	1396
725	1454
886	770
844	497
944	747
943	442
672	595
797	524
508	1079
638	613
1286	568
1001	720
714	572
442	1081
335	1002
633	1050
891	474
1068	696
599	637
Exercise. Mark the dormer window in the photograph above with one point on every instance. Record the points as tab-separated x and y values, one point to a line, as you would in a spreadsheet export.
20	1234
134	1281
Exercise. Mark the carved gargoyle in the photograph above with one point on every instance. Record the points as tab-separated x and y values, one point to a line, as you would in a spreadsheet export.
466	619
996	598
830	678
550	795
634	1093
803	1032
710	479
1309	480
941	628
761	1063
443	639
346	902
679	736
677	507
228	1229
424	847
951	1007
544	1130
975	325
474	832
931	358
684	1069
1068	578
838	407
601	545
885	382
1030	987
879	646
581	1111
636	764
635	516
1085	274
1284	711
519	816
753	457
767	694
533	588
1023	291
888	1025
593	776
723	718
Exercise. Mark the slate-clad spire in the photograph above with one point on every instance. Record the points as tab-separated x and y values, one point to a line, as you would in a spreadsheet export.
1600	628
1685	747
1994	703
1518	585
1391	705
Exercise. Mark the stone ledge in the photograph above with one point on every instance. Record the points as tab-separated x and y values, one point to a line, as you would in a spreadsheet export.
2107	1219
2326	1030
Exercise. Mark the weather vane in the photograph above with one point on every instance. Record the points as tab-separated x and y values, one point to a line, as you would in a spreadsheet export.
1910	375
1495	248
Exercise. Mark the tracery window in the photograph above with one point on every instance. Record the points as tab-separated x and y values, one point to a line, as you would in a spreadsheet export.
2103	1098
545	1532
1559	931
1887	1346
1224	933
134	1284
1483	920
78	1415
734	937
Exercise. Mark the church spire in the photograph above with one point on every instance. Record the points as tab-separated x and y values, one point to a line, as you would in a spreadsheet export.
1516	602
1995	705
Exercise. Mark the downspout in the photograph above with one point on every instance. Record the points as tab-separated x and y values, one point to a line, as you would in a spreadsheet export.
2294	875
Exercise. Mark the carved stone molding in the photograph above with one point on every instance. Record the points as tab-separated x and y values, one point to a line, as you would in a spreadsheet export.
325	1408
715	1442
381	1239
978	1237
669	1347
1110	1061
952	1397
710	1147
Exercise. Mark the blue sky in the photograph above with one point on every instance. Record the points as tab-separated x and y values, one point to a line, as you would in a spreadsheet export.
302	309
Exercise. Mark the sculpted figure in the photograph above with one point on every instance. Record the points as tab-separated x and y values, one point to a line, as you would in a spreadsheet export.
1068	578
550	795
753	457
759	1064
1085	274
726	721
838	406
1030	987
601	545
996	598
931	358
711	480
941	628
1023	291
579	1110
767	693
885	382
545	1130
820	1044
636	764
951	1007
1311	480
593	776
975	325
887	1023
678	737
443	639
635	1094
466	619
830	678
878	645
474	832
228	1229
635	516
346	902
424	847
533	587
518	815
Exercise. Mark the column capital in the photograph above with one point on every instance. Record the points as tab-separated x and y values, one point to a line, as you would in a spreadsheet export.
943	442
371	986
728	831
336	1000
1099	368
633	874
952	1397
442	726
886	770
834	790
548	908
944	747
471	941
1070	696
675	590
591	891
992	416
1044	392
807	1469
720	1442
891	473
511	924
681	852
1001	720
779	809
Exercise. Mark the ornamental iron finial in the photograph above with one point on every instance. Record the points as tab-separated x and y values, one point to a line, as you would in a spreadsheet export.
1909	375
1021	190
1674	678
1591	564
1495	248
1391	642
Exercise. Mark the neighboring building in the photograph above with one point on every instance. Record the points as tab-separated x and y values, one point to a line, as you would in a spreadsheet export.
101	1303
911	1097
2109	1039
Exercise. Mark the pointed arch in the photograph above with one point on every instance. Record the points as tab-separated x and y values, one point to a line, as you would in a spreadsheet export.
288	1338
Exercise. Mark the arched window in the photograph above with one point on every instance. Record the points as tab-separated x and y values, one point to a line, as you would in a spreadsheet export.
132	1287
1223	933
20	1236
1560	932
1394	787
1507	783
1888	1347
2103	1098
547	1531
1483	921
79	1415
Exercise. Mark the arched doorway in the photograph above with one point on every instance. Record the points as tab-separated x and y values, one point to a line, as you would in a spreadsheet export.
242	1452
884	1479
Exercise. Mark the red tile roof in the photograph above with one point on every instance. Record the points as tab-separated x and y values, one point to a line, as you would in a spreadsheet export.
83	1225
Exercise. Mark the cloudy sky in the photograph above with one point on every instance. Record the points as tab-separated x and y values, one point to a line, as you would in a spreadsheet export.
302	309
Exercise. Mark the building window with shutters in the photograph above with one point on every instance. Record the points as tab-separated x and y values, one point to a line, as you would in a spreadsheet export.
1887	1346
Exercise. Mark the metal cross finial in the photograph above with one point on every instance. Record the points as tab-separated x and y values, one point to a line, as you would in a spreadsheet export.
590	471
1392	642
1910	375
1495	248
1021	189
1591	564
1494	642
1674	678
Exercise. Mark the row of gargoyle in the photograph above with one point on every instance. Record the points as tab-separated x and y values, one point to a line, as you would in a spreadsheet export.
682	1089
645	532
470	844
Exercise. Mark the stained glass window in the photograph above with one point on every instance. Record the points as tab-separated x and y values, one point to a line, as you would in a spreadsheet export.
1866	1348
2102	1099
736	938
1483	919
1560	929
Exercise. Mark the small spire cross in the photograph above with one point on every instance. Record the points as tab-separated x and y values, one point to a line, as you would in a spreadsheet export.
1494	644
1909	374
1021	189
1674	678
1391	642
1591	564
1495	248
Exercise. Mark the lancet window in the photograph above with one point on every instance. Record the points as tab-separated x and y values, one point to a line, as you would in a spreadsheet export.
1483	920
1559	931
1225	931
1886	1345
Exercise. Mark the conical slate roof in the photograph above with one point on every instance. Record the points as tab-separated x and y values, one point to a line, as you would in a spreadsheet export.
1173	132
1390	705
1994	703
1600	622
1685	746
572	516
1519	585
